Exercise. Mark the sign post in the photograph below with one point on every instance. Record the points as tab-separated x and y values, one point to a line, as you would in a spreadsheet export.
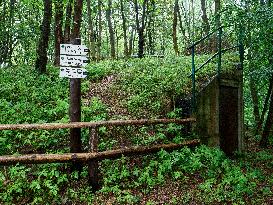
72	58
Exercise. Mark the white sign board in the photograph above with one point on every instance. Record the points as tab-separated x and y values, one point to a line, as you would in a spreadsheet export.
72	58
69	72
73	50
73	61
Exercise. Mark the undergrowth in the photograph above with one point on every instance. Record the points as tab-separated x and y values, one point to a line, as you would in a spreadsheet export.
151	86
204	175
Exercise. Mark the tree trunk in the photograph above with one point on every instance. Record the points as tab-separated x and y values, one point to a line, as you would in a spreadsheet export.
193	21
92	38
217	6
268	125
204	16
182	29
41	60
10	36
141	43
124	28
67	28
131	41
175	11
110	28
3	49
150	38
141	27
265	106
150	28
77	19
58	30
99	31
6	38
206	26
255	101
117	39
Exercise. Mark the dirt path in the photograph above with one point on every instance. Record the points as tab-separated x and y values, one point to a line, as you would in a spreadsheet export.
108	92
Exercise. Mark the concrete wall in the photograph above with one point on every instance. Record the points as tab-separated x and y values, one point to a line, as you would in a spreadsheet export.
207	114
219	112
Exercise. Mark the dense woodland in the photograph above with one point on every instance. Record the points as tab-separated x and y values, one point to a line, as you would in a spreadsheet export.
139	69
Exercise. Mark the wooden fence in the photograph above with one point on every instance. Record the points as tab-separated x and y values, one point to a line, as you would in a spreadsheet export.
93	156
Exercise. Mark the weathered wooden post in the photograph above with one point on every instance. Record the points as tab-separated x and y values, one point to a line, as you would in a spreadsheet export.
75	114
93	163
72	58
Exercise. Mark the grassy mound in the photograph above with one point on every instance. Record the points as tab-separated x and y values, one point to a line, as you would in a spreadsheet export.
121	89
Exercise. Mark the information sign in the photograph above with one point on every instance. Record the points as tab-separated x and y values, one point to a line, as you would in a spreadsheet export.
72	59
69	72
75	50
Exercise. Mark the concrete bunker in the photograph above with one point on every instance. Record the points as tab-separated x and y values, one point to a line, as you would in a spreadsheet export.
219	112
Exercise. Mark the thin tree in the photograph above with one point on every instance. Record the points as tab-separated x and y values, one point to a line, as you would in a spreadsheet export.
41	60
269	120
131	40
140	25
265	106
124	28
175	19
151	27
99	30
255	100
77	19
217	7
182	29
268	124
58	30
10	36
205	23
67	28
6	23
110	28
204	16
92	38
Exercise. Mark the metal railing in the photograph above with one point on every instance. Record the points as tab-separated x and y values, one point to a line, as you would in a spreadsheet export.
218	54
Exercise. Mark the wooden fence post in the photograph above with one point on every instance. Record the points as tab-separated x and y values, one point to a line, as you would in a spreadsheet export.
93	163
75	115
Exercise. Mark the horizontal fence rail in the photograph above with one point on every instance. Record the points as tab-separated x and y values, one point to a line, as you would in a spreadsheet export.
93	156
84	157
54	126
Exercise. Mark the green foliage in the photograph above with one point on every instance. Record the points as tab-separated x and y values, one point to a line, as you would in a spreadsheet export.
39	99
221	180
97	110
20	21
42	183
27	97
151	85
253	20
